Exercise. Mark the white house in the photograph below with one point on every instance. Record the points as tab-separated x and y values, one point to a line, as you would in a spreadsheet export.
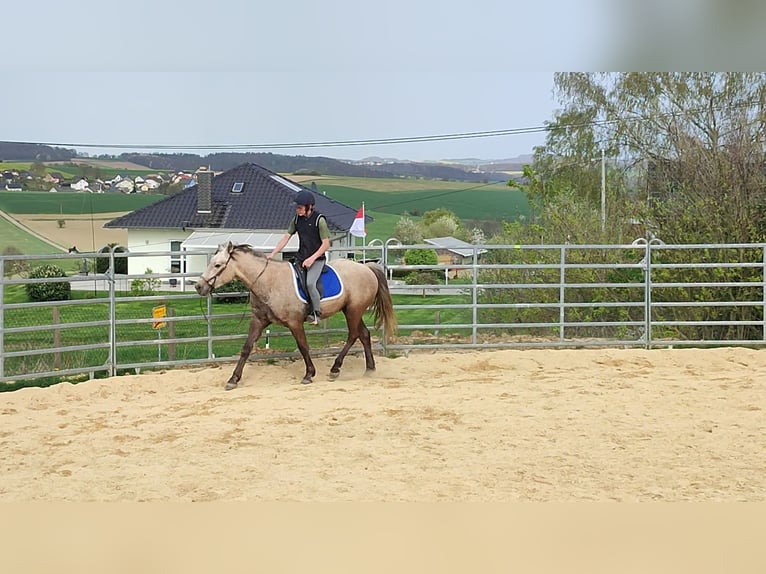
246	204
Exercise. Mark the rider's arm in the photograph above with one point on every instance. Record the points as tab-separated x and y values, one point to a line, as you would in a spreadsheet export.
281	244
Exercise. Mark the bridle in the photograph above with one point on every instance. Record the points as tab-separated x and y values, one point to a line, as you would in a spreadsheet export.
211	282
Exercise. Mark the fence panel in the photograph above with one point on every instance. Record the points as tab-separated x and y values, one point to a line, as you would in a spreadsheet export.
645	294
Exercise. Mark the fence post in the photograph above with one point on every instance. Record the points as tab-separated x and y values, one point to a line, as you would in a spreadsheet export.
763	295
475	296
2	316
562	290
56	340
110	277
171	335
648	296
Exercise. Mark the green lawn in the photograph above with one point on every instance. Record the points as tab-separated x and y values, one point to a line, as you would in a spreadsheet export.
12	236
73	203
468	201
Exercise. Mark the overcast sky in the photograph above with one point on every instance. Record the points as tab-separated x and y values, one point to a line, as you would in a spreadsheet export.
236	72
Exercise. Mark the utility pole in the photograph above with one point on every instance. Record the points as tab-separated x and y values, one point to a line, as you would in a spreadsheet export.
603	189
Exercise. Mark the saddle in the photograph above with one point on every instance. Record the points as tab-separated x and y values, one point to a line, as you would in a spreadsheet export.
302	273
329	284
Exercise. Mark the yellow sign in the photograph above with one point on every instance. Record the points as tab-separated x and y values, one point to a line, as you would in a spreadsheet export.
159	312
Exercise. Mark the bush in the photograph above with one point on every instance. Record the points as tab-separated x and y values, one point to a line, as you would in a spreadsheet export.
235	286
147	286
49	291
422	278
420	257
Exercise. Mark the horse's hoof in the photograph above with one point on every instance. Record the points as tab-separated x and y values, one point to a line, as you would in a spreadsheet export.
231	385
332	376
369	372
306	381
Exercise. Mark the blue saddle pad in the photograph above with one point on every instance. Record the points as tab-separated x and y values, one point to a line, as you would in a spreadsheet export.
332	286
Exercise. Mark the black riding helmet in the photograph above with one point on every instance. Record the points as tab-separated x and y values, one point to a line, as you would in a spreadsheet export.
304	197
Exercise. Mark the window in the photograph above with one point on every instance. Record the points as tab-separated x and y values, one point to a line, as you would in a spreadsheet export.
237	187
175	260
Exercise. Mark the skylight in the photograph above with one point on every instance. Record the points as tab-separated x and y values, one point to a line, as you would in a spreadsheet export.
237	187
286	183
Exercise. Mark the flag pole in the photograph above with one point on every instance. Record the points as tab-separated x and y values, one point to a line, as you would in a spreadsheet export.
364	250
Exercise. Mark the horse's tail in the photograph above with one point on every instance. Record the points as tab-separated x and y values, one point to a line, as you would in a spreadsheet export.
383	306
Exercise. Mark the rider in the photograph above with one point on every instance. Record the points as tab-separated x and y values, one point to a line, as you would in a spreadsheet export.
314	240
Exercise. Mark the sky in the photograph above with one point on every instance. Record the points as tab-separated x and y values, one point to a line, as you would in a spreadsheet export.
175	74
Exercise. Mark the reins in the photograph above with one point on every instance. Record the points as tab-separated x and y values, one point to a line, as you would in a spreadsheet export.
211	282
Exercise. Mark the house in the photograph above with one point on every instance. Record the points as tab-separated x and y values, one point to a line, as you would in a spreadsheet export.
450	250
125	185
80	185
246	204
148	185
13	186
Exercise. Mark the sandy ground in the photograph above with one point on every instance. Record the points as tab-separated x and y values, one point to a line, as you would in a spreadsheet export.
510	425
79	230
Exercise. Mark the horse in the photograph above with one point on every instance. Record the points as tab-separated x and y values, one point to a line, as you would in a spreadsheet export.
273	299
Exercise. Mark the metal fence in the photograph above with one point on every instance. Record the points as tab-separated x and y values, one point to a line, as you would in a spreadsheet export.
644	294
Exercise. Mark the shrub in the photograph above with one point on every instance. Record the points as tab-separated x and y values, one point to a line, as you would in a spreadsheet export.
422	278
147	286
235	286
48	291
420	257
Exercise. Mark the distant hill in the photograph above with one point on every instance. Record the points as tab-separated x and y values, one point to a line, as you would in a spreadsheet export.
34	152
469	170
319	165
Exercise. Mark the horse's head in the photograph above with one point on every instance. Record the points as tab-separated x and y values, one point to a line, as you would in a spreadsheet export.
219	271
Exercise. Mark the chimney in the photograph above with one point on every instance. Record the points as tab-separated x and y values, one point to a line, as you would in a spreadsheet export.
204	190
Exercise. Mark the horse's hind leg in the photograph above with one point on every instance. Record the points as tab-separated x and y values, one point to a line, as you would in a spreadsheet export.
256	328
364	337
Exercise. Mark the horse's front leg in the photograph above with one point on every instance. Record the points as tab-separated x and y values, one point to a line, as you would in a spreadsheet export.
299	334
257	325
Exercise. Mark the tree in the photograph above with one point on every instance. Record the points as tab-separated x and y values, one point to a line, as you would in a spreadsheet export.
685	150
435	223
37	169
408	231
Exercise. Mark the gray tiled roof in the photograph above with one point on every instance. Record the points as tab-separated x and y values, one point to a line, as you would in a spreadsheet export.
453	244
265	202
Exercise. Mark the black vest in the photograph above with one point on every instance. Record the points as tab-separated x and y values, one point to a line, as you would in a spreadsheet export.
308	235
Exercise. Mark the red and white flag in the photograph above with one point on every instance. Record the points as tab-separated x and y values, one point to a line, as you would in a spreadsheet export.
357	228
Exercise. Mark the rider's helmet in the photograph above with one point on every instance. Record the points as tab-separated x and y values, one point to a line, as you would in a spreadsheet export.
304	197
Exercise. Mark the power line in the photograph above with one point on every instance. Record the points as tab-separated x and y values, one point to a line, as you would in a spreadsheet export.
549	126
310	144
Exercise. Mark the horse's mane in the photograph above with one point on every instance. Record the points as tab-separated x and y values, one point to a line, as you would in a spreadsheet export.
247	248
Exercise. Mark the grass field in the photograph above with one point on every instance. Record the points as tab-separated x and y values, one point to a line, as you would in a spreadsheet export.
467	201
73	203
24	242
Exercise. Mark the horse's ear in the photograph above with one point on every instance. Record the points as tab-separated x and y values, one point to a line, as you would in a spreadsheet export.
229	247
